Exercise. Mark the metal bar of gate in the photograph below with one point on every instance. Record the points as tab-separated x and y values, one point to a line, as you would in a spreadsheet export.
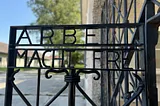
151	41
72	78
71	90
125	20
38	86
11	62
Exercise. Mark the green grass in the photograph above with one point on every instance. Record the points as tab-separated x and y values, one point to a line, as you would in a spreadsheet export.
76	66
28	69
3	69
79	66
25	69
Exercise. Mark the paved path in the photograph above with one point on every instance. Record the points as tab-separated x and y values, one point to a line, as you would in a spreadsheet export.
27	81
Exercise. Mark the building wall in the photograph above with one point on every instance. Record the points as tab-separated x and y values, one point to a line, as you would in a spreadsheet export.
84	8
3	60
35	63
20	61
93	87
89	86
158	66
97	10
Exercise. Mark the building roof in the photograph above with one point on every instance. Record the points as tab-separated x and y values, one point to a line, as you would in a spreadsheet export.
4	50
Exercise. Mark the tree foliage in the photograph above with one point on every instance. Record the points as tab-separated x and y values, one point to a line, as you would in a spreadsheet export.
54	12
58	12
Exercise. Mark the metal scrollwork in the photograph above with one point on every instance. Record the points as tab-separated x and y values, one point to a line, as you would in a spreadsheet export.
54	71
90	72
136	92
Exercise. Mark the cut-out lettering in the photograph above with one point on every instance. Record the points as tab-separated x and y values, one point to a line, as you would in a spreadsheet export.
23	54
115	59
35	56
24	37
48	38
65	35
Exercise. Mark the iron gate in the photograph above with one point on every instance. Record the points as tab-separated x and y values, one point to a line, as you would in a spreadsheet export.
72	77
122	87
114	53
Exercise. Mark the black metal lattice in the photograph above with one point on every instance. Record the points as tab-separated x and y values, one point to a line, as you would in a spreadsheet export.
122	87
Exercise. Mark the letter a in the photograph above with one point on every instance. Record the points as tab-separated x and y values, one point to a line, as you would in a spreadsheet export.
23	37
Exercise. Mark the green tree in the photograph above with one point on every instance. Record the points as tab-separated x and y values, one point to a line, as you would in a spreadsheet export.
58	12
54	12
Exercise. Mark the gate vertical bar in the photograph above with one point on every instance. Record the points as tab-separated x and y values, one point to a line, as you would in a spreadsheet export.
151	41
38	86
11	62
113	42
142	60
71	89
125	20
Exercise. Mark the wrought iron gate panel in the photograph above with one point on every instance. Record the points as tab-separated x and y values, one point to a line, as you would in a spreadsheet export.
17	49
122	55
119	83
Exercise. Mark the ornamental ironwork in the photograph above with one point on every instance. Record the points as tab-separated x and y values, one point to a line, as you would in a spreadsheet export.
38	52
120	55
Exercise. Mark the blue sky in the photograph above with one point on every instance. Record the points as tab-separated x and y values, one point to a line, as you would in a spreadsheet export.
12	13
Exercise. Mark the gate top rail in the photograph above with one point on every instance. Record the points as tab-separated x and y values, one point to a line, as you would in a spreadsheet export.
83	26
